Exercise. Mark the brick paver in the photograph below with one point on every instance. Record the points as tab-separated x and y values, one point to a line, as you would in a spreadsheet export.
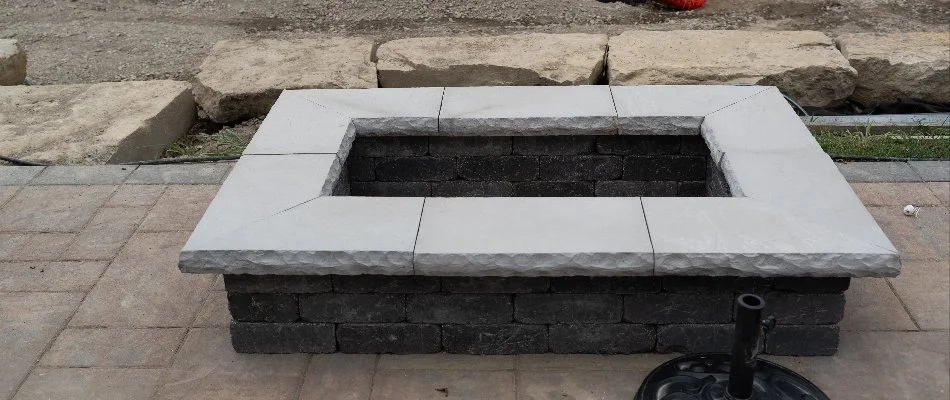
92	306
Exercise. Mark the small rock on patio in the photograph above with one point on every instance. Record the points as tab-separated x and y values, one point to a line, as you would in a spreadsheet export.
804	65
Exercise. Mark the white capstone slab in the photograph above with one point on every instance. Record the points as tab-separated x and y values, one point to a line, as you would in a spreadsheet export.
384	111
327	235
747	237
260	186
297	126
762	123
672	109
807	185
528	110
550	236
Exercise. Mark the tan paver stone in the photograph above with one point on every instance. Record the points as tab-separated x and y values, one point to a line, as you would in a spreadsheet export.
443	361
207	367
106	233
872	306
6	193
179	208
52	208
881	365
922	237
58	276
28	322
528	59
113	347
143	287
605	385
89	384
218	284
214	312
893	66
110	122
895	193
438	385
941	190
804	65
34	246
136	195
242	78
339	377
591	362
924	286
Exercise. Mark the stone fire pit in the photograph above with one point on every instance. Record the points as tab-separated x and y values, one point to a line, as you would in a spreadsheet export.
496	220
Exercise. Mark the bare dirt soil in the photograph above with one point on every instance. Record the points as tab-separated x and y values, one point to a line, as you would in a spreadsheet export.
108	40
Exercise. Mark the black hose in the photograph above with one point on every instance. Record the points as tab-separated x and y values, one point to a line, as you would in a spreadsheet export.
185	160
17	161
848	157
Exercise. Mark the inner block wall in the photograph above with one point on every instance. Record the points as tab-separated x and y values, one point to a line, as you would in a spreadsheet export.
532	166
518	315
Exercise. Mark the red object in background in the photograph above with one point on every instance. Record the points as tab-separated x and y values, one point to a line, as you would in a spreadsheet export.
684	4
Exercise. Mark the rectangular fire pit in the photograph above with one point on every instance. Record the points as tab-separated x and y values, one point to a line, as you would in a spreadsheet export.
498	220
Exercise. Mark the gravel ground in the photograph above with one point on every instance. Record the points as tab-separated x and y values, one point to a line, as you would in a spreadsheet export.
108	40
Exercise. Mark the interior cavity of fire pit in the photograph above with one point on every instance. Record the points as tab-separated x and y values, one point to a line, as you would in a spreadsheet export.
531	166
416	268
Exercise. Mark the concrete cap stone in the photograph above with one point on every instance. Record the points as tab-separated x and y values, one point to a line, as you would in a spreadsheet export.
672	109
547	236
528	110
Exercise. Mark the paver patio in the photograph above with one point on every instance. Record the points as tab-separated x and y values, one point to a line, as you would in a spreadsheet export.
93	306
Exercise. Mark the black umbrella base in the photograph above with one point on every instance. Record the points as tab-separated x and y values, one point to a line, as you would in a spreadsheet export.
706	377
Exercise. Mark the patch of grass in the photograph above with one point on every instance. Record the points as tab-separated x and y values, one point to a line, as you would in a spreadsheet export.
222	143
919	142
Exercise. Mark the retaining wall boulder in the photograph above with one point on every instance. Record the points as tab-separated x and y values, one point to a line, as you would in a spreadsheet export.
522	60
804	65
913	65
101	123
12	62
241	79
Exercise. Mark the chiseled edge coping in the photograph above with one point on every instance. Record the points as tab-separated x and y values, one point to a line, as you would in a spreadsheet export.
765	151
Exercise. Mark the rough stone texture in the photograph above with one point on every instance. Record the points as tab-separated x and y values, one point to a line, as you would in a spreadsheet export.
668	308
276	283
242	78
390	189
12	62
390	146
252	337
602	339
495	339
263	307
385	284
472	189
490	284
415	169
802	340
389	338
460	308
794	309
111	122
552	145
694	338
594	284
894	66
803	64
512	60
336	307
568	308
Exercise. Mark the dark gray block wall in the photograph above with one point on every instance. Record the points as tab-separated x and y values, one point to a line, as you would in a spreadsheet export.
501	166
493	315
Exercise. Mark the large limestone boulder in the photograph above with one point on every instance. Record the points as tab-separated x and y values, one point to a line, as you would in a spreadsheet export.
12	62
241	79
101	123
804	65
525	59
892	66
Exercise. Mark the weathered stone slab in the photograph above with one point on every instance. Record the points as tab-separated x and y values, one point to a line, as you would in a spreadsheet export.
899	65
805	65
242	78
111	122
511	60
12	62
